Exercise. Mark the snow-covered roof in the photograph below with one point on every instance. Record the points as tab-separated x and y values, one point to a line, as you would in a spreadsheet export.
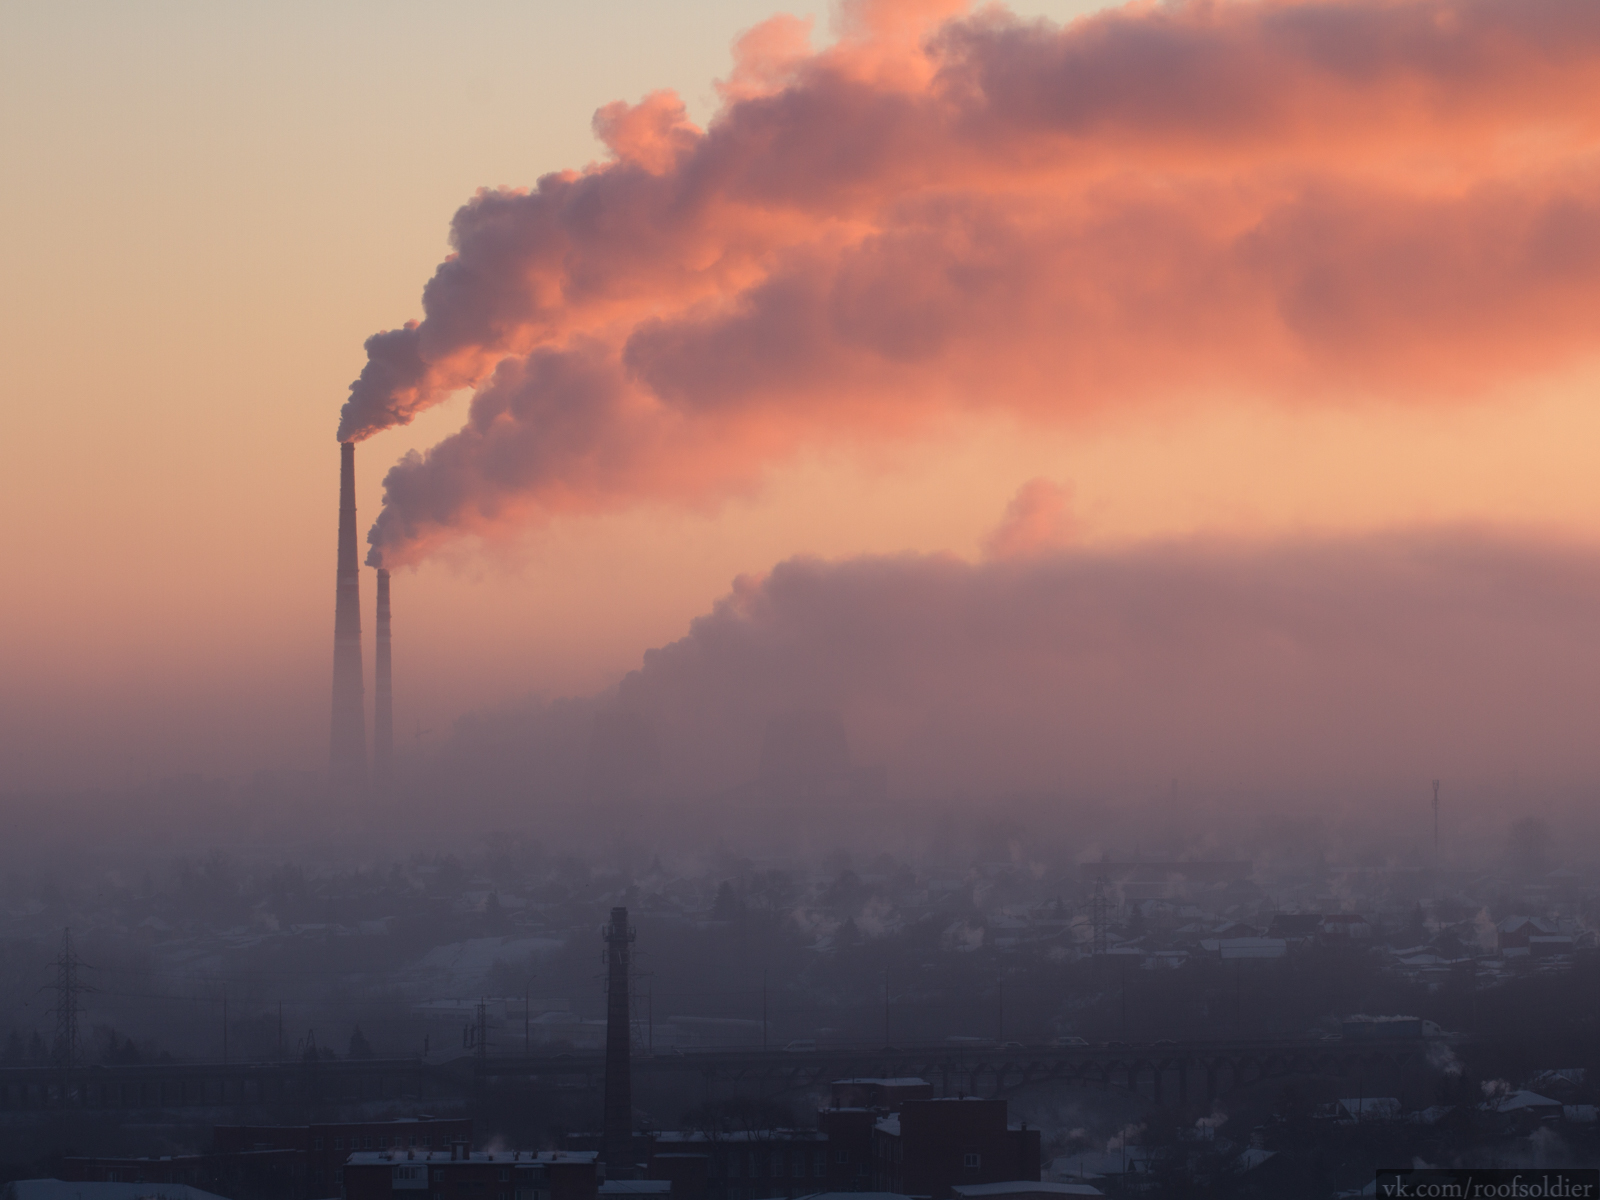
1371	1107
1252	1157
1512	924
1024	1187
1522	1100
373	1158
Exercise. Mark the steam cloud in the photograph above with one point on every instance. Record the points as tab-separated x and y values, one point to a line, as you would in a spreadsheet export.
1392	199
1346	666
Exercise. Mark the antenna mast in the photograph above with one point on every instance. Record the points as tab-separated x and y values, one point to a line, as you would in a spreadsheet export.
1435	823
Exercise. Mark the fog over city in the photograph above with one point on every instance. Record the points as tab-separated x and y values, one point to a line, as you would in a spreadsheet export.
946	601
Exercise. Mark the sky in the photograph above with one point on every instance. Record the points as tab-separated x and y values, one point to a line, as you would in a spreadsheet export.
207	210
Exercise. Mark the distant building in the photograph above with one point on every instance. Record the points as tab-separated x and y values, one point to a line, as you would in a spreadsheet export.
1514	935
60	1189
932	1146
251	1175
276	1162
1524	1104
1550	946
462	1174
1365	1028
1343	929
878	1135
1025	1189
1162	880
1295	927
858	1105
1363	1109
742	1164
636	1187
887	1094
324	1148
1246	947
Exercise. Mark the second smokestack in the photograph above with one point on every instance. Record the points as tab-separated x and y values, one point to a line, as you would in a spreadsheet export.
347	741
383	709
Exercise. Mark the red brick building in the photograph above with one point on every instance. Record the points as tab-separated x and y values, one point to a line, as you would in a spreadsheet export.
858	1105
252	1175
929	1146
324	1148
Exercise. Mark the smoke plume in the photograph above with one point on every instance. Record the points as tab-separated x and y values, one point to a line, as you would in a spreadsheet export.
1390	200
1341	671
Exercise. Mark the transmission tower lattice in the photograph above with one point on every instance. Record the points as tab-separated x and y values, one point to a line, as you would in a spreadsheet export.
1099	907
67	987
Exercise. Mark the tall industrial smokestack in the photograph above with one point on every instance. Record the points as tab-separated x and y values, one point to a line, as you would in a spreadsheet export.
383	706
347	742
616	1131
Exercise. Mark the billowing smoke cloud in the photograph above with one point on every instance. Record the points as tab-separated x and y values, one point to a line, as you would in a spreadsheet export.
1038	519
1344	669
1393	199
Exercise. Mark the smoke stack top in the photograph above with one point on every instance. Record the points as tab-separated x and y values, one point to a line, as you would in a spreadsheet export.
947	212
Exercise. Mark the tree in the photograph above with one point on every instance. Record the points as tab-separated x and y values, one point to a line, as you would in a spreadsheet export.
13	1054
359	1046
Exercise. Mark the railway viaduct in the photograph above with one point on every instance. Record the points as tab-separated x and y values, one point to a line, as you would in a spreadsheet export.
1165	1072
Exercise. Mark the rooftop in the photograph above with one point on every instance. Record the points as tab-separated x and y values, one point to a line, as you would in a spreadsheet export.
1025	1187
371	1158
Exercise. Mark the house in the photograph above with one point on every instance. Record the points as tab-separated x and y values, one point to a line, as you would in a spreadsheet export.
1523	1103
324	1148
741	1164
267	1174
1566	1084
1344	929
1550	946
1367	1108
1294	926
1514	933
1246	947
1116	1164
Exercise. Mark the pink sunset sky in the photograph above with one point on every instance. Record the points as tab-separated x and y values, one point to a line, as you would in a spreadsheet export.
1237	348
